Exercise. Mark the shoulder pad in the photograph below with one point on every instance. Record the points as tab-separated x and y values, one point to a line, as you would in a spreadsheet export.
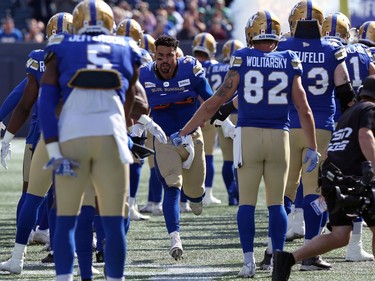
235	61
32	63
341	53
198	68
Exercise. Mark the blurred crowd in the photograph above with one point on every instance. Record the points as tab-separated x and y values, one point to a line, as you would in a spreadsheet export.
182	19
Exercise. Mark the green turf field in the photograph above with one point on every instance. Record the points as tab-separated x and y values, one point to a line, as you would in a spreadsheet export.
210	241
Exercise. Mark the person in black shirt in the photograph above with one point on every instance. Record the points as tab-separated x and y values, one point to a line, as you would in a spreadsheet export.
351	144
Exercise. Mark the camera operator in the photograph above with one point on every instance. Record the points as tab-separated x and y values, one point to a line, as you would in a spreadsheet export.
351	144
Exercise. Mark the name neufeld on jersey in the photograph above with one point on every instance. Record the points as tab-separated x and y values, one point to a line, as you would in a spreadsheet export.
311	57
270	62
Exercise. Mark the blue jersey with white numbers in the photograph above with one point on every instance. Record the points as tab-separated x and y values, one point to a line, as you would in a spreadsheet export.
216	74
104	53
265	86
358	63
173	102
319	58
35	67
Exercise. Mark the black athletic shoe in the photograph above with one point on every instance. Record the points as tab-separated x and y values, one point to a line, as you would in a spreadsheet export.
265	264
315	263
48	259
282	265
100	256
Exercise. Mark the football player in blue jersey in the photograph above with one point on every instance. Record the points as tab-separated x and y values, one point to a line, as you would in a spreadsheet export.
93	74
204	50
215	75
266	82
324	71
360	65
39	179
366	35
174	86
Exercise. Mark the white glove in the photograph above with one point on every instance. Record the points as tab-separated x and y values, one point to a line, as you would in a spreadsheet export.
228	128
60	165
6	151
137	130
187	142
153	128
2	126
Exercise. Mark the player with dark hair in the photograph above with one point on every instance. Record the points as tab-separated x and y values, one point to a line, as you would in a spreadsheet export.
173	85
265	80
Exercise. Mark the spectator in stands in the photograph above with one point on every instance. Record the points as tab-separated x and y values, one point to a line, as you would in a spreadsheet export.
174	17
9	33
42	9
197	14
189	30
35	31
180	6
163	26
217	30
119	14
149	19
65	5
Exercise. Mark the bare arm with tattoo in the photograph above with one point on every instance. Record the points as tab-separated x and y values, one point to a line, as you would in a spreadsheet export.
210	106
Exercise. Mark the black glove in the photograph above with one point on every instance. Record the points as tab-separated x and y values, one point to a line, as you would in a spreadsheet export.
224	111
140	151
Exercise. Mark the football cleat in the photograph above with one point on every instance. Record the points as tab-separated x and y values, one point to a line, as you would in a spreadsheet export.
48	259
305	10
92	16
99	256
229	47
266	263
210	200
176	250
41	236
185	207
247	270
134	215
206	43
147	208
130	28
336	26
12	265
59	23
314	263
264	25
157	209
366	33
196	207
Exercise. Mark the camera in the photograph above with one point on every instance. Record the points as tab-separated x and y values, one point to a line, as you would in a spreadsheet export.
355	196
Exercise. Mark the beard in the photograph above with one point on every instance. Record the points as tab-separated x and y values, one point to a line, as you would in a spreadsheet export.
165	68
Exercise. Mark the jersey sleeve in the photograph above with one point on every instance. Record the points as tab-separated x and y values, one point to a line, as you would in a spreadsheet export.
295	63
12	99
202	86
367	119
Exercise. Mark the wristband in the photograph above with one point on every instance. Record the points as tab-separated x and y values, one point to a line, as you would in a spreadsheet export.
144	119
53	150
8	136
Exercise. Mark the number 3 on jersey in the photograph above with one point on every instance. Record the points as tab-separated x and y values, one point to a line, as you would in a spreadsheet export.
255	83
